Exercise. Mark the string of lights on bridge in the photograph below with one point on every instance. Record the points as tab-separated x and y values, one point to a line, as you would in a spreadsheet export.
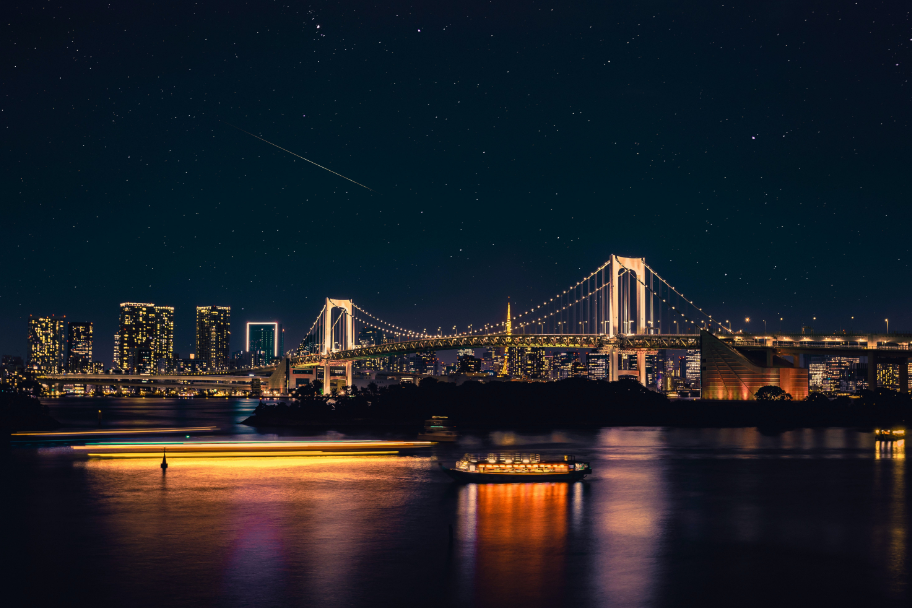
655	274
558	295
399	331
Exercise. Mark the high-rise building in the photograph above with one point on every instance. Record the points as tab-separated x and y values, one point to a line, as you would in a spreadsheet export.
487	361
144	342
426	362
163	339
818	378
213	336
692	368
888	376
370	336
265	342
651	363
469	364
46	345
79	347
598	365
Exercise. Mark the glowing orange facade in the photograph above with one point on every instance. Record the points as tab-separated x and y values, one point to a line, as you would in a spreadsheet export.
730	375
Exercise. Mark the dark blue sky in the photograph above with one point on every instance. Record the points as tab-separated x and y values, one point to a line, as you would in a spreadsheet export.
757	155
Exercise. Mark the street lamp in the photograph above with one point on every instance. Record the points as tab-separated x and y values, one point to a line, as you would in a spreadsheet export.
764	326
888	325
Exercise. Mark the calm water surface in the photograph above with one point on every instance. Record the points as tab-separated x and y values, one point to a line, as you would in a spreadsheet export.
671	517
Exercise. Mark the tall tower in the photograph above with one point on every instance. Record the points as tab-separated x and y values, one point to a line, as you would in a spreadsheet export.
213	336
46	345
163	339
265	342
79	347
505	369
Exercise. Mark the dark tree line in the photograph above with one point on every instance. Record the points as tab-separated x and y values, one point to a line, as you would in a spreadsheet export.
573	402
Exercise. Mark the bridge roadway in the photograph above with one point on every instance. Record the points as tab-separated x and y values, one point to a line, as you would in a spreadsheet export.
880	345
173	381
895	345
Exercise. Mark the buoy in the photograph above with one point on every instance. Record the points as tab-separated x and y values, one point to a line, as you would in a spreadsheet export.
164	464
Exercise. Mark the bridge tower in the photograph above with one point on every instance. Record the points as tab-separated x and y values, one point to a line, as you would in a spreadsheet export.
616	265
348	341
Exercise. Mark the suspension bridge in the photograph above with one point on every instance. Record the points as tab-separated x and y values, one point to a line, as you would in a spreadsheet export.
619	304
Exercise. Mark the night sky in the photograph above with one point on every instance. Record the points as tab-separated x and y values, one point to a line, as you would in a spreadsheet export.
756	154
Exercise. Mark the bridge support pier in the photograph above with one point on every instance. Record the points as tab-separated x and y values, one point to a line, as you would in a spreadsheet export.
327	376
641	367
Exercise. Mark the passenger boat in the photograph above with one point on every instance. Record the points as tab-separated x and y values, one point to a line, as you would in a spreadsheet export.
517	468
893	434
437	429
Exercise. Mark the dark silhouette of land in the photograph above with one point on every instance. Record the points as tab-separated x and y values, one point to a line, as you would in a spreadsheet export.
574	402
23	412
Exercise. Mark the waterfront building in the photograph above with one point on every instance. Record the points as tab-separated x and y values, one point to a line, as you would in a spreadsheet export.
731	375
12	371
265	342
79	347
144	342
46	345
213	336
163	338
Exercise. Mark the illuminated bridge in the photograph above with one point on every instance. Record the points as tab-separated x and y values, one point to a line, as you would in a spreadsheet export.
622	307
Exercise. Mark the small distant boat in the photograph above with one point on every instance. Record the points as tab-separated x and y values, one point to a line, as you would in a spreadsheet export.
437	429
517	468
891	434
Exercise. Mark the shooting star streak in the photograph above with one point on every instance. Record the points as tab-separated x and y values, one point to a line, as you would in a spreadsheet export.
298	155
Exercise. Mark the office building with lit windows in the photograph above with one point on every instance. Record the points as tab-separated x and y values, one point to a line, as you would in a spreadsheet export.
692	368
46	345
526	362
213	336
79	348
598	366
265	342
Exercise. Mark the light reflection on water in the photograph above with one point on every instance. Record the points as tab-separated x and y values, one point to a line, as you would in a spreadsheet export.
670	517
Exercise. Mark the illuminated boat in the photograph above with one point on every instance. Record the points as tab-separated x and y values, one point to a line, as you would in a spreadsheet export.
893	434
516	468
436	429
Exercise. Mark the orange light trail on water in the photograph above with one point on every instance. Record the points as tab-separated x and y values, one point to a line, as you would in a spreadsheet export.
244	448
237	454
